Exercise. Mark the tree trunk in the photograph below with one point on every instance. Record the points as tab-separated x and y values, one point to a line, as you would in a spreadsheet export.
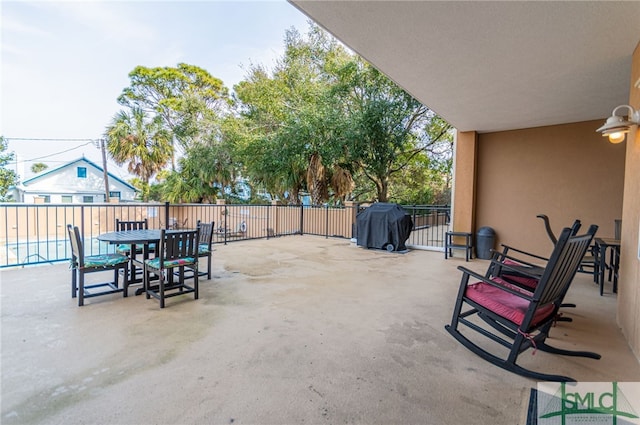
316	180
382	186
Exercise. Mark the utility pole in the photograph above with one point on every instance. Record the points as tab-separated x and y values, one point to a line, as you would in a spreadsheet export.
104	168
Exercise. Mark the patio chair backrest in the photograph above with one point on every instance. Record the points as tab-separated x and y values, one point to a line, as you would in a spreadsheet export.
122	225
175	245
563	265
206	233
77	249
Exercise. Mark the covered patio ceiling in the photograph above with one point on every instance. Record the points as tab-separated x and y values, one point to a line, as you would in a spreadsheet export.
492	66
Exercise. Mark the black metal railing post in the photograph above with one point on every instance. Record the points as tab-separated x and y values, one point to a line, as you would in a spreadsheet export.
166	215
326	227
267	224
301	219
226	223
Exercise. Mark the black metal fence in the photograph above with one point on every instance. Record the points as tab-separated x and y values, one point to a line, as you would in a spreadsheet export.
36	233
430	223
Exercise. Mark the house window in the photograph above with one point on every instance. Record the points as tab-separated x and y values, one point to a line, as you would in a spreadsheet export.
47	199
114	195
67	199
87	199
82	172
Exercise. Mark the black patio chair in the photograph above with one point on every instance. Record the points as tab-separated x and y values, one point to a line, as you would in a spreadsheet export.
177	251
122	225
498	309
204	245
125	249
81	265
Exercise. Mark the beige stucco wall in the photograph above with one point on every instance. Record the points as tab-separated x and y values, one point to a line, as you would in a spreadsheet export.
629	284
566	171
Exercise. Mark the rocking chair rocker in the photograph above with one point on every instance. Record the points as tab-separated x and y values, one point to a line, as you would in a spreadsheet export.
523	316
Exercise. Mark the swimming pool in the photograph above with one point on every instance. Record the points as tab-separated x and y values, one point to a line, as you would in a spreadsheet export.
46	251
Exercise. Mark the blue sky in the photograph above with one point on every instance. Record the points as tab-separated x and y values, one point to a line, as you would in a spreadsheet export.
63	64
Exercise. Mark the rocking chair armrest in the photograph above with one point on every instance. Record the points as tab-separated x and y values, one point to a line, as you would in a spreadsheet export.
492	283
520	268
499	257
529	254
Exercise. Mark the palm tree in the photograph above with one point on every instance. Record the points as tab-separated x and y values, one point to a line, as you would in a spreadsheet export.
316	180
342	183
140	141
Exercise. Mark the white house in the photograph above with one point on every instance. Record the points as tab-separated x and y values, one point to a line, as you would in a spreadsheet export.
79	181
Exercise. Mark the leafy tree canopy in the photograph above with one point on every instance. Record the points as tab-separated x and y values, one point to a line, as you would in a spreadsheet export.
322	121
326	122
8	177
186	97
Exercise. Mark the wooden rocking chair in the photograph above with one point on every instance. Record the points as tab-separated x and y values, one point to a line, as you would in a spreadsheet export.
525	268
523	316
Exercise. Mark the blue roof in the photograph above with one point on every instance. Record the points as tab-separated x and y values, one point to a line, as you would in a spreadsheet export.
83	159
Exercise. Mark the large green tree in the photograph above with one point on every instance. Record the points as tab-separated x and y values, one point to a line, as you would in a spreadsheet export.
203	172
8	177
323	121
295	138
141	142
188	99
389	128
325	118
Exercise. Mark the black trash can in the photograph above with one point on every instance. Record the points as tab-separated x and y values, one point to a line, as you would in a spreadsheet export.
485	240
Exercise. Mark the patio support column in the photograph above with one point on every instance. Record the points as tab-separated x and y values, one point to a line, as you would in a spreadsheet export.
464	181
351	209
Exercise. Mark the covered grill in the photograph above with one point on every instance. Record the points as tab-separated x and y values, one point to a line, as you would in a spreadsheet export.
384	226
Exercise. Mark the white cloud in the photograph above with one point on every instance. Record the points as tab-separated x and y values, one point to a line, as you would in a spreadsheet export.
13	28
113	20
16	26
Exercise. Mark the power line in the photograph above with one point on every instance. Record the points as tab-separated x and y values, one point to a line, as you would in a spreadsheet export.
36	139
57	153
47	139
39	139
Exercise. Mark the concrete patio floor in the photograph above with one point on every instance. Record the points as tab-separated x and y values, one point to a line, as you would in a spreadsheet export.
291	330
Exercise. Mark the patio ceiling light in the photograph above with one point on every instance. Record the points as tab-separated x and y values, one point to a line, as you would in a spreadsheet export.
617	126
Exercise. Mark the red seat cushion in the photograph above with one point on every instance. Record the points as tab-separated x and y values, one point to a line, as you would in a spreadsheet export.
529	282
505	304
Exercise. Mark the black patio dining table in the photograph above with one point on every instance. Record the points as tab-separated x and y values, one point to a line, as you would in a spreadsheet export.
144	237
